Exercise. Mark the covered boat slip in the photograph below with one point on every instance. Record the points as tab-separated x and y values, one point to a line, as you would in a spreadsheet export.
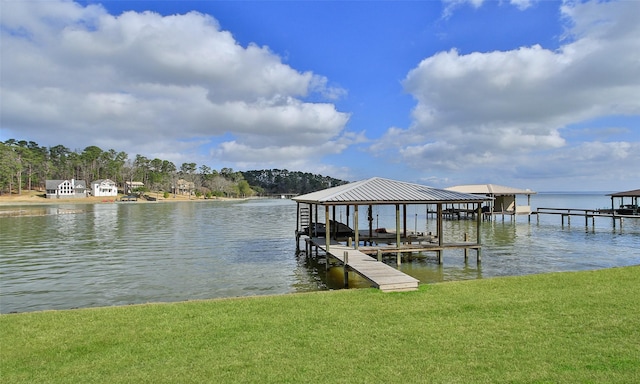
631	208
503	199
375	192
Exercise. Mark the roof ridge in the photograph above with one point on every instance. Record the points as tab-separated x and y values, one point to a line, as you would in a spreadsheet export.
348	187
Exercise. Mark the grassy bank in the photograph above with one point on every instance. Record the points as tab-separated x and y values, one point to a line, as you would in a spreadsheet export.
565	327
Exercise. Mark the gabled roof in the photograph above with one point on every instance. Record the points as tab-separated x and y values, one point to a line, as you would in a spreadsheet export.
490	190
100	181
632	193
384	191
54	184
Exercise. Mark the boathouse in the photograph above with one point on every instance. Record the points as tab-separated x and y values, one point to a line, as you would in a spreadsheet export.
503	199
626	209
350	245
131	186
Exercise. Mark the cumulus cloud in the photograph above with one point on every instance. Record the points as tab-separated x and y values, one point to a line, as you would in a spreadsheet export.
493	107
146	83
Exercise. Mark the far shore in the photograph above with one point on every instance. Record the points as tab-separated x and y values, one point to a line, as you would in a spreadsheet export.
38	197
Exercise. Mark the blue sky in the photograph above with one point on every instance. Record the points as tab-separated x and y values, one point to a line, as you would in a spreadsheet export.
531	94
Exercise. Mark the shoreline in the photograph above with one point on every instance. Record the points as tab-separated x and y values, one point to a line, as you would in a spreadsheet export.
35	197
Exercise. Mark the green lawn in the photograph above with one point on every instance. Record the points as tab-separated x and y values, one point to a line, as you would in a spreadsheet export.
552	328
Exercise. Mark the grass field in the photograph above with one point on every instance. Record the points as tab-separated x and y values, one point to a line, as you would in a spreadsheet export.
553	328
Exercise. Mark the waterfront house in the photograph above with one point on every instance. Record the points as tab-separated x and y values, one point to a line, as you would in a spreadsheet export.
59	189
104	187
183	187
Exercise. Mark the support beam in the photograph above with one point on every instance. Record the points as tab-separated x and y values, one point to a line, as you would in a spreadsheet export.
479	233
327	233
355	225
398	233
404	219
398	225
333	211
440	232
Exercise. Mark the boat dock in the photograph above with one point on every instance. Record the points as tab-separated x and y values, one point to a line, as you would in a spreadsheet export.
567	213
381	275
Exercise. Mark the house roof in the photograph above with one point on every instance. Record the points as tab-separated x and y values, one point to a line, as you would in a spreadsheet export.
100	181
632	193
54	184
384	191
490	190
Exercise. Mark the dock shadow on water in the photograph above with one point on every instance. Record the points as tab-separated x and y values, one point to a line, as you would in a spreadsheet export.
118	254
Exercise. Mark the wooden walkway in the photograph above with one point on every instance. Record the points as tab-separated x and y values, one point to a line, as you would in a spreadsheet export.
381	275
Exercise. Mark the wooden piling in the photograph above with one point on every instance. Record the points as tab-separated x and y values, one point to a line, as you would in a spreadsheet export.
346	270
466	250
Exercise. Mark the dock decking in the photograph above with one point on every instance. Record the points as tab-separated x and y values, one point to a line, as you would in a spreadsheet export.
381	275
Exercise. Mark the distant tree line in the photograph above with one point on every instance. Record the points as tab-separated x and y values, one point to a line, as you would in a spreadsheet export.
277	181
27	165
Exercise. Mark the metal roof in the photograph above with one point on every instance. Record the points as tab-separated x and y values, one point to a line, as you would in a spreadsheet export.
384	191
633	193
490	189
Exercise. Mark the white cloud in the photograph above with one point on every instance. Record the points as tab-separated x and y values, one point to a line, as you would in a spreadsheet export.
147	83
493	108
451	5
288	155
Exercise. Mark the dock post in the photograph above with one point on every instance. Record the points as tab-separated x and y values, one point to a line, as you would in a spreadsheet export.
379	255
355	226
346	271
479	239
327	231
399	258
466	250
349	242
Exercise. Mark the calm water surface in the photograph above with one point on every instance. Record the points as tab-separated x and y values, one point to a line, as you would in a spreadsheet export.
88	255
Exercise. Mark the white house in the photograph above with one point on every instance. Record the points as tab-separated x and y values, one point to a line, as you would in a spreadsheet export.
58	189
104	187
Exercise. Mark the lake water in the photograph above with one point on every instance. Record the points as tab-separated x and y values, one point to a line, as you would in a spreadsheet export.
87	255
